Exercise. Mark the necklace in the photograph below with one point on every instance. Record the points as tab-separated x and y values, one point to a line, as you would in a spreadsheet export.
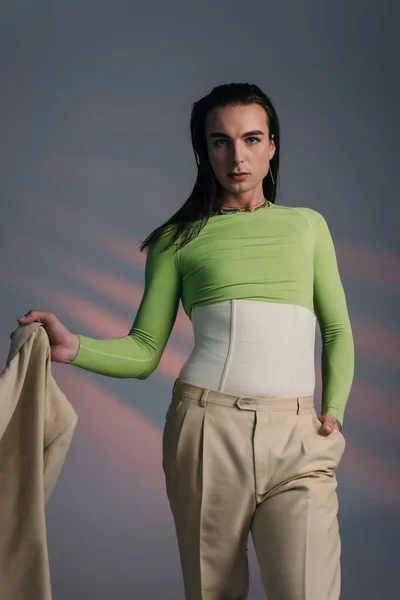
229	211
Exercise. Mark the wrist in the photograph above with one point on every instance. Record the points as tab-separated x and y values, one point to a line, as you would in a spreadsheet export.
73	347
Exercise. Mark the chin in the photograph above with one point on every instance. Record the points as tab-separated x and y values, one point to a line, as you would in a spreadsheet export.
238	187
241	188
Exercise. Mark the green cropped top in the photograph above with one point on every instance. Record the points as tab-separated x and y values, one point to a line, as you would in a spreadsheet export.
275	254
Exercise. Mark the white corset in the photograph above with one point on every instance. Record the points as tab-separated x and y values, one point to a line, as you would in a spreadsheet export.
252	348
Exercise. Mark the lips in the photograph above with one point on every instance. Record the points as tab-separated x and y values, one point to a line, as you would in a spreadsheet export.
238	176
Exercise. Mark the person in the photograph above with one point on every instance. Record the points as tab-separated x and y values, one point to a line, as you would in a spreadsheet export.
243	448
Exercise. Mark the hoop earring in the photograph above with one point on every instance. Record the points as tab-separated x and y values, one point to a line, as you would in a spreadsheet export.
272	177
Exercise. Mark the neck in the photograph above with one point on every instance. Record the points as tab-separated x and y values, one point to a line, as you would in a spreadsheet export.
251	199
242	205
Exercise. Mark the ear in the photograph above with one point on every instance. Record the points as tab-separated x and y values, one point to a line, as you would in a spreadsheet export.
272	148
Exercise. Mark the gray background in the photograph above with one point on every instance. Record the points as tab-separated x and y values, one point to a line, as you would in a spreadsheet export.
95	153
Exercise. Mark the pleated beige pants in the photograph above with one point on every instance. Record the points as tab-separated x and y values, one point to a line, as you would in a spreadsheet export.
235	465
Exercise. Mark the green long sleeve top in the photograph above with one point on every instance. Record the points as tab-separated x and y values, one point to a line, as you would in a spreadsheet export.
276	254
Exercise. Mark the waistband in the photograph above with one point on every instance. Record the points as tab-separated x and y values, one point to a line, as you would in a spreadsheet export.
204	396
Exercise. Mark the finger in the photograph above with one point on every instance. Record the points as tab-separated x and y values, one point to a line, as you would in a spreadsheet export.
36	315
328	427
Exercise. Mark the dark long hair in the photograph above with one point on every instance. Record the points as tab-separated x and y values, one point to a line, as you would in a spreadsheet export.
205	199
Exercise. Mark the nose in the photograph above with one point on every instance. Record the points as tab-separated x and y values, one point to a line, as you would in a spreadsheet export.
237	157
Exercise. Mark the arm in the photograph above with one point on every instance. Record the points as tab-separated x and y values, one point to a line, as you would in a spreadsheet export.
138	353
337	360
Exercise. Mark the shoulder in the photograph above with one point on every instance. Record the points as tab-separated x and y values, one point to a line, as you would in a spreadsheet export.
316	220
318	225
164	241
162	251
309	213
305	212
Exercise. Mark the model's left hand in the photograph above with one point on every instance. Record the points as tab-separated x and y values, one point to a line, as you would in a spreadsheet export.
328	424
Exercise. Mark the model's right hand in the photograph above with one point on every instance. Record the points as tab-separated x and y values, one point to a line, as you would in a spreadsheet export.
64	344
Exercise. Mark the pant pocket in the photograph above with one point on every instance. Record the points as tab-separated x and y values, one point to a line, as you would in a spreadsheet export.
318	425
316	422
334	444
173	405
174	421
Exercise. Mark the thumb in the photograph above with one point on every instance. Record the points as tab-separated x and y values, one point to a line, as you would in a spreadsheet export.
328	425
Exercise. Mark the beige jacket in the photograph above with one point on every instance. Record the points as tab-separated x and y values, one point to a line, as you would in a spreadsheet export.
37	424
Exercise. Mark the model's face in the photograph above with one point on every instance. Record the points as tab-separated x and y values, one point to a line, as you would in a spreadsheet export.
238	142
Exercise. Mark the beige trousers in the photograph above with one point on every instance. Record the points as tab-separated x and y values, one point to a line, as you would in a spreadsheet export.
37	425
235	465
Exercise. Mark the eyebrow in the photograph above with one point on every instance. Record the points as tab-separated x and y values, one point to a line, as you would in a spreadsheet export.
217	134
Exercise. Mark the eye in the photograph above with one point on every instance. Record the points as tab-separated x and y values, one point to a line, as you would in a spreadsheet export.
255	140
219	143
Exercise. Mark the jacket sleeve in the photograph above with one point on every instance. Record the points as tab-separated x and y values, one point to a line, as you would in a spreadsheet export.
138	354
337	359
